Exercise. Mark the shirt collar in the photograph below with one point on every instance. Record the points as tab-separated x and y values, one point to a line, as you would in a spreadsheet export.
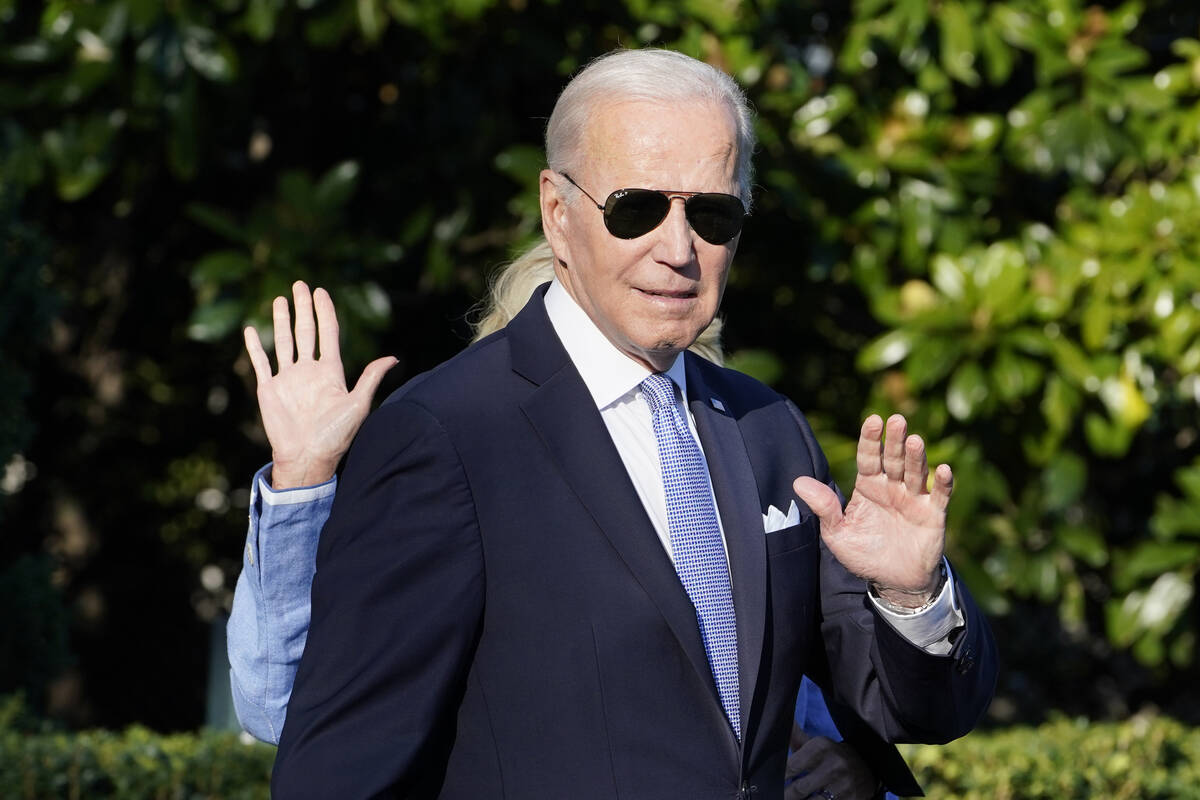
608	373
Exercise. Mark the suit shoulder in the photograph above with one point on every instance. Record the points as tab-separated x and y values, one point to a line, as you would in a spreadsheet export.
456	384
736	387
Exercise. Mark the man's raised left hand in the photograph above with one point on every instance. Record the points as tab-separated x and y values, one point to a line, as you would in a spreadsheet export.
892	533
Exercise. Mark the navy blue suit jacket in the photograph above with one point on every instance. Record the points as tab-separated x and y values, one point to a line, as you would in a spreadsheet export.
493	615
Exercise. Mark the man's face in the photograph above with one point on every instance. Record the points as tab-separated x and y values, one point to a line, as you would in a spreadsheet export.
653	295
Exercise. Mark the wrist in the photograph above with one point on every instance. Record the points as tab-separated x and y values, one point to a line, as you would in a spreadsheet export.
908	600
293	475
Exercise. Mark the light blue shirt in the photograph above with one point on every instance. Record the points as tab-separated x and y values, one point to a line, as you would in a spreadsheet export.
269	622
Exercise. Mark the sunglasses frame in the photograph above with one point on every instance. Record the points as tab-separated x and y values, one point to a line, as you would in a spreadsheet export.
617	195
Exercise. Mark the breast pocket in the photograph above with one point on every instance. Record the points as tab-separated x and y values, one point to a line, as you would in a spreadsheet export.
793	560
785	540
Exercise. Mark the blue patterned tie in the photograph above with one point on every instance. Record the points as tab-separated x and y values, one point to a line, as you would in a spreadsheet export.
696	540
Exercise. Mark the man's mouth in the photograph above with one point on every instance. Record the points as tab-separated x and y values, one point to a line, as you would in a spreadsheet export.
683	294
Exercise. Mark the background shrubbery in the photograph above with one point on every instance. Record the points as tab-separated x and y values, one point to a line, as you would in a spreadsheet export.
1141	759
981	214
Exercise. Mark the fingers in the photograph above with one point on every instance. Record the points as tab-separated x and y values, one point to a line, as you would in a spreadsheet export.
916	469
258	356
306	328
368	382
943	486
282	322
812	766
820	498
893	447
870	446
798	738
327	327
900	456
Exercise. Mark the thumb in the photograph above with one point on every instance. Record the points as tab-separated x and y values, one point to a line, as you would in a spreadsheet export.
368	383
820	498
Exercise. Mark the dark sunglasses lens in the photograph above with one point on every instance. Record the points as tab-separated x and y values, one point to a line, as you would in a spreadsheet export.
631	213
717	218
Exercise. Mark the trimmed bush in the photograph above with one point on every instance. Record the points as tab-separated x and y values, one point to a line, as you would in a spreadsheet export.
1146	757
136	764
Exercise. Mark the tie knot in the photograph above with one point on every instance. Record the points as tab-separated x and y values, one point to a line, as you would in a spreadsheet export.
659	391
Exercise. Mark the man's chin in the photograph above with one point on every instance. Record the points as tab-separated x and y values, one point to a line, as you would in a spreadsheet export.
663	352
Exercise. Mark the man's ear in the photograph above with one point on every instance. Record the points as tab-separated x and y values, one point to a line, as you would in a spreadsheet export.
554	214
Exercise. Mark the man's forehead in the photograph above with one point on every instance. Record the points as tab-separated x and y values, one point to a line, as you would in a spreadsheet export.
641	137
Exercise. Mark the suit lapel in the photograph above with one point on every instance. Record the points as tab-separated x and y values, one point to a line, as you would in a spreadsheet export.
738	502
564	415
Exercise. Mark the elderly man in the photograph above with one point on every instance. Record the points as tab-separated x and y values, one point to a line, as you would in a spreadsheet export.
571	562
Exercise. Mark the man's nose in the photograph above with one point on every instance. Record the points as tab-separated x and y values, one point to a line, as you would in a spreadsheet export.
675	245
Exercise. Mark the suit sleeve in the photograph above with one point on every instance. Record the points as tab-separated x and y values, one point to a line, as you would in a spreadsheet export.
902	692
397	601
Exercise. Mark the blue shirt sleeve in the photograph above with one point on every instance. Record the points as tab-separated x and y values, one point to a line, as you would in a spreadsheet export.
812	714
271	611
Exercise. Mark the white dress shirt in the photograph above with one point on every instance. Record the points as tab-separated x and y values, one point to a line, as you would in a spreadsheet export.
614	381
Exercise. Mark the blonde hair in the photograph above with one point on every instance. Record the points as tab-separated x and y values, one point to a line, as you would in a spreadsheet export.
511	285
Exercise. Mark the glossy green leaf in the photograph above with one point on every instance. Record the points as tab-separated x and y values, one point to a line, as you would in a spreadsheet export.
1085	543
948	276
220	267
372	19
968	390
218	221
368	302
1105	437
211	322
762	365
931	359
208	54
958	42
1096	323
1015	376
522	163
886	351
260	17
80	154
1063	481
336	187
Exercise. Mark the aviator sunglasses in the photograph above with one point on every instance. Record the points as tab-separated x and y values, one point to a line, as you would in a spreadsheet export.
629	213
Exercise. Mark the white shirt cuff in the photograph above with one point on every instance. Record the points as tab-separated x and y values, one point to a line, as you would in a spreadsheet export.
287	497
929	628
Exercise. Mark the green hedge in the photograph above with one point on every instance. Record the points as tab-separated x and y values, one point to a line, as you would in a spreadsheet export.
1143	758
136	764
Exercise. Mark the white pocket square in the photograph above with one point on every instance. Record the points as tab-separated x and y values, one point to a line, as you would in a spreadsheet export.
775	519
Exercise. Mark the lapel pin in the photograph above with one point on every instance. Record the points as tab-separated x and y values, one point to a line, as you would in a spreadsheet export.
718	405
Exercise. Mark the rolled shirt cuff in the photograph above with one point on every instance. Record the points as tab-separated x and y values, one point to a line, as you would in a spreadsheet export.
930	627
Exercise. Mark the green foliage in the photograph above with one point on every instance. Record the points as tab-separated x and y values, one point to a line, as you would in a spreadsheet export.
1145	757
1065	322
980	214
133	765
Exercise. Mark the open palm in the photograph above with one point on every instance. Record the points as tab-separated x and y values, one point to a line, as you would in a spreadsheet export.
309	416
893	531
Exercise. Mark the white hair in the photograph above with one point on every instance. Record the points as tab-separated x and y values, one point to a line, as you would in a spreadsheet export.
649	74
660	76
